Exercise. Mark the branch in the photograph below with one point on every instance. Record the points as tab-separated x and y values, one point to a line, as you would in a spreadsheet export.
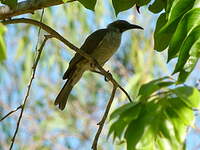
50	31
29	88
101	123
11	112
25	7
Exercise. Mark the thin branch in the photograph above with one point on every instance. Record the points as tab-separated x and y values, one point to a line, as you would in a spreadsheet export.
50	31
11	112
115	82
101	123
28	6
29	88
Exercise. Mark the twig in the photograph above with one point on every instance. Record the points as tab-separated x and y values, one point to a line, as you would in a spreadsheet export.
11	112
123	90
101	123
29	87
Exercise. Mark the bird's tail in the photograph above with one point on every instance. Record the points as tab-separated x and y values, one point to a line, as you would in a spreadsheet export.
62	97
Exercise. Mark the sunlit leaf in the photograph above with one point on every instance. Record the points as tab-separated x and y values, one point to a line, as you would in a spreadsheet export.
2	43
163	35
185	48
189	95
189	21
179	8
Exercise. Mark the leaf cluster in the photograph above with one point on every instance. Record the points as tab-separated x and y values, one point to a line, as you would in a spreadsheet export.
160	117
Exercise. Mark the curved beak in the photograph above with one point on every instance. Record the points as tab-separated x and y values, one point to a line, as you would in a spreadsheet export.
133	26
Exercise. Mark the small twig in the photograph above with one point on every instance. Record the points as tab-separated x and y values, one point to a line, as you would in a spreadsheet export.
101	123
118	85
28	91
11	112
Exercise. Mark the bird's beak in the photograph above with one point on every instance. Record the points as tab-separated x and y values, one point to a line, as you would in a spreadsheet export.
133	26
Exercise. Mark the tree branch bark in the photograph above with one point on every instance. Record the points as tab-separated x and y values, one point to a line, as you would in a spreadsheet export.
28	6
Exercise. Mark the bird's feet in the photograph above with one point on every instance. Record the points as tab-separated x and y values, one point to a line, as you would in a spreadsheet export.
108	74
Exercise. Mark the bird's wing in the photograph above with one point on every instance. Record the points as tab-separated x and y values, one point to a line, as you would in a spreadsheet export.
91	43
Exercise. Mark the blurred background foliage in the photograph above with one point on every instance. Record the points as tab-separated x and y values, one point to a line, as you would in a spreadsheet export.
43	126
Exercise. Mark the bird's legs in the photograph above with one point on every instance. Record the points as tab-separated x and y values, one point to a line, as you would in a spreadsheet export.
96	71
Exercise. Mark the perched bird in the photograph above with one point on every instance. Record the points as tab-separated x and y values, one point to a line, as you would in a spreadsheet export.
101	45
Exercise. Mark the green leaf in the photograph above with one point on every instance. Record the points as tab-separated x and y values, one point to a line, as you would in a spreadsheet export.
140	128
185	48
89	4
121	109
179	127
127	113
157	6
161	40
147	89
122	5
189	21
131	113
165	83
2	43
142	2
189	95
161	123
195	49
117	128
163	36
179	8
183	112
189	65
182	76
10	3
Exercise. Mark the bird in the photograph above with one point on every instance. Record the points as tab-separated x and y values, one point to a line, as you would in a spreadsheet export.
101	45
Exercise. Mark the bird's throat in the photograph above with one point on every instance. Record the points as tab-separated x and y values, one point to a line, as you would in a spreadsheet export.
107	47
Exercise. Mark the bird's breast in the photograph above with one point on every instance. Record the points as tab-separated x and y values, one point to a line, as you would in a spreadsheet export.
107	47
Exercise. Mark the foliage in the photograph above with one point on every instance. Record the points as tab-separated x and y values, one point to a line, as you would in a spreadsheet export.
10	3
160	117
2	43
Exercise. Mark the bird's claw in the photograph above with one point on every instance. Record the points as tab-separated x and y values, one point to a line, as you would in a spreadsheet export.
105	78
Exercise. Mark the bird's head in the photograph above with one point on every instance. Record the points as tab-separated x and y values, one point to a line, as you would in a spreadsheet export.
122	25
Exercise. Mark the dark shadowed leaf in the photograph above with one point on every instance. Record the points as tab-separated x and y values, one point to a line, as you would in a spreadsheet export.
142	2
147	89
89	4
157	6
10	3
121	109
121	5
